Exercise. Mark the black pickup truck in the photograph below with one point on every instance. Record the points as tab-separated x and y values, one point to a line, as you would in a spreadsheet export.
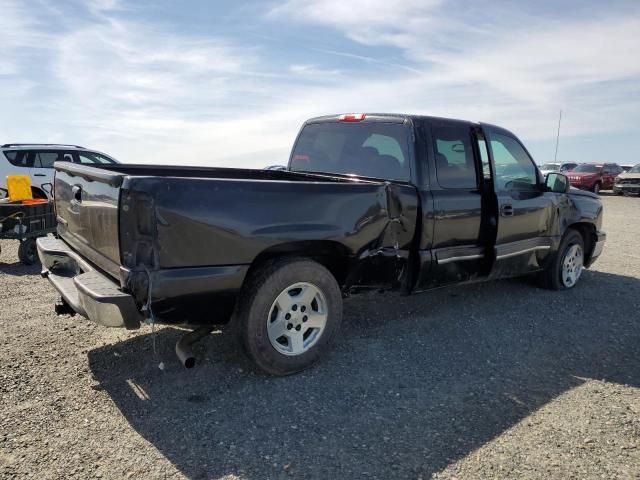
388	202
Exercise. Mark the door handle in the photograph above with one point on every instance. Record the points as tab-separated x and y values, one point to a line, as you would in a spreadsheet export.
39	175
506	210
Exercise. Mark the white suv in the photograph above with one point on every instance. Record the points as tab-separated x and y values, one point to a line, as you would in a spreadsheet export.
36	160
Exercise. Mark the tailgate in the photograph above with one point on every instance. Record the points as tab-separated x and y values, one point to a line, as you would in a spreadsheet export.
87	212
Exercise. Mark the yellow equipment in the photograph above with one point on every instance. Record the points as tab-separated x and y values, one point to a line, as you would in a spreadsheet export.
19	187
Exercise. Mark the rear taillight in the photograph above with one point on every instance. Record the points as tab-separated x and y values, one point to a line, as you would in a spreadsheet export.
352	117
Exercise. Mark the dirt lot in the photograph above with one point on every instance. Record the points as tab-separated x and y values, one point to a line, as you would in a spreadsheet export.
501	380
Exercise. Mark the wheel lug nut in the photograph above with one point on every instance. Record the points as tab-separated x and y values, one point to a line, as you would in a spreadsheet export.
298	327
305	318
303	308
289	326
287	316
294	308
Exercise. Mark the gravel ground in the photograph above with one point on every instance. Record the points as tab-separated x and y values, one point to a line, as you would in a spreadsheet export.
498	380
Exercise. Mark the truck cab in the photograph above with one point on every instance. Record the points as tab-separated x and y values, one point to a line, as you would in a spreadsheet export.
484	210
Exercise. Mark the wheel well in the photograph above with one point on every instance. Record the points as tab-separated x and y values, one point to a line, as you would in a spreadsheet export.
588	233
38	193
332	255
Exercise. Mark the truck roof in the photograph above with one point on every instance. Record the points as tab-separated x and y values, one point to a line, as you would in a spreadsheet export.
380	117
397	118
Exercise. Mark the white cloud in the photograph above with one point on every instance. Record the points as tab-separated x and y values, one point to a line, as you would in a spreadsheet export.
143	93
494	64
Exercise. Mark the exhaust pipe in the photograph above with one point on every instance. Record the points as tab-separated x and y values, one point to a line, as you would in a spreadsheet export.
183	346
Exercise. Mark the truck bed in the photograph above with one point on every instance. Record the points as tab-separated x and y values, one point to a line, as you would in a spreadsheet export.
183	223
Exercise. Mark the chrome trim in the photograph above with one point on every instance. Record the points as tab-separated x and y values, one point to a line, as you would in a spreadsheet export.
520	252
459	259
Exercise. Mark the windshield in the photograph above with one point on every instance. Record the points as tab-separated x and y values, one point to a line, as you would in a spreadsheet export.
635	169
378	150
550	166
587	168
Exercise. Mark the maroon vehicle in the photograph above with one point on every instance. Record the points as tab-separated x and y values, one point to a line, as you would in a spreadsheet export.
594	176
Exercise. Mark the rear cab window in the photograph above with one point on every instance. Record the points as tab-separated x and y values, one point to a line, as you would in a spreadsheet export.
369	149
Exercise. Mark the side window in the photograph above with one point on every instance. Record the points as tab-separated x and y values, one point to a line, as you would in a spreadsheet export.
515	170
20	158
484	156
66	157
92	158
46	159
454	159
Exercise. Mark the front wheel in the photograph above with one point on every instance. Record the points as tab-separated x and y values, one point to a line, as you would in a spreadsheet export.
566	268
288	314
596	188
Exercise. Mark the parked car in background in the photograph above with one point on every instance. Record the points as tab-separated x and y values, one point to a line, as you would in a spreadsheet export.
36	160
557	167
594	176
628	182
626	167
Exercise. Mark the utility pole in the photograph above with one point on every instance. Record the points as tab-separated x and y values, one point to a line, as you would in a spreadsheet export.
555	157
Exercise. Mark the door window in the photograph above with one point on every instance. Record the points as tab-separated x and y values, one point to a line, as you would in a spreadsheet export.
455	162
484	156
46	159
514	168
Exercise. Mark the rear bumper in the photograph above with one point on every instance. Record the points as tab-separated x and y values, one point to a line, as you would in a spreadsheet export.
89	292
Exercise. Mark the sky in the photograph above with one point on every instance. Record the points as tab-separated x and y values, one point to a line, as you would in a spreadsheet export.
228	83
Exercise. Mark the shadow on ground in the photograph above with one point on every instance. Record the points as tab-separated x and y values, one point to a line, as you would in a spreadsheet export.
9	266
413	384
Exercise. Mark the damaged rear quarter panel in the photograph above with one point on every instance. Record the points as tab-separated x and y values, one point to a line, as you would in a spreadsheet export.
219	222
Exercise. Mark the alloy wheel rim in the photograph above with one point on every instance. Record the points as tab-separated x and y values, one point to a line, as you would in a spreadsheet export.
297	318
572	265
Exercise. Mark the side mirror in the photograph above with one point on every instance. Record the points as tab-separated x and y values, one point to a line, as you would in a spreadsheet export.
557	183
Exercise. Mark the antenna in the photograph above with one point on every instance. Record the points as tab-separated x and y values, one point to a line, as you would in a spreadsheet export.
555	157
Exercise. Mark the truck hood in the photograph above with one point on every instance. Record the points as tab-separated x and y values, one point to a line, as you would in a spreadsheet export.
629	176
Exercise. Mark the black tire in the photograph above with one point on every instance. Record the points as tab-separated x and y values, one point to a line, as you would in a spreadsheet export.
257	298
596	188
551	277
28	252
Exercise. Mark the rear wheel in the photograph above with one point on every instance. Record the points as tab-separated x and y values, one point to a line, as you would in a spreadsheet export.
288	314
566	268
28	252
